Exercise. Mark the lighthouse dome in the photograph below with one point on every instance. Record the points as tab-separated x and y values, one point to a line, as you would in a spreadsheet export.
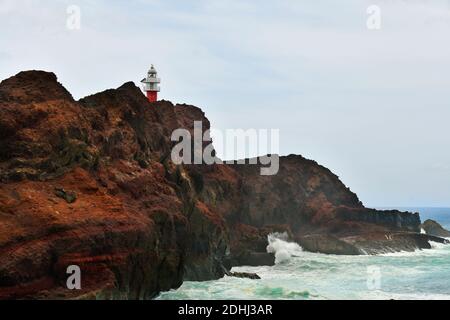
152	70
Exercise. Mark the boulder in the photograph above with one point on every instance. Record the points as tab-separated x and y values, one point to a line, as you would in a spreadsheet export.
247	275
433	228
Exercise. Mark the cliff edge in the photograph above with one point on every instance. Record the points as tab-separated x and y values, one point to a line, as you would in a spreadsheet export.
91	183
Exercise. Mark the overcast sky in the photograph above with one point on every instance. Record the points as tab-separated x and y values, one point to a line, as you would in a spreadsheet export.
371	105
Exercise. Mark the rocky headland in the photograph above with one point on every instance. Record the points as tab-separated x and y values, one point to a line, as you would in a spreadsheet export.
433	228
91	183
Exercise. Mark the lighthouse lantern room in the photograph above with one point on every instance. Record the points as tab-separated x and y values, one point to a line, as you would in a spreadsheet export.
151	84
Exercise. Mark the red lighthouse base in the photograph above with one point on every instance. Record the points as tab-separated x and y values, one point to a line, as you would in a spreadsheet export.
152	96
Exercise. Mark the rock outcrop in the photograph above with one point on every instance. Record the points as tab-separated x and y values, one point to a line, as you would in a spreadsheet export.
433	228
129	226
91	183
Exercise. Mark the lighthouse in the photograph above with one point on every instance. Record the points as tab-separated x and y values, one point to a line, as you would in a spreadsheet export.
151	84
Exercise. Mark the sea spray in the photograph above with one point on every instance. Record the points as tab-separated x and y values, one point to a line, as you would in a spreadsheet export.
282	248
423	274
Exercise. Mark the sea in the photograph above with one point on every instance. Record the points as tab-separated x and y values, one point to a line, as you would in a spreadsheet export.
423	274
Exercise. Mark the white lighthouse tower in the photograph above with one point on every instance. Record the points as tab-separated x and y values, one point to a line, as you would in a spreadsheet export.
151	85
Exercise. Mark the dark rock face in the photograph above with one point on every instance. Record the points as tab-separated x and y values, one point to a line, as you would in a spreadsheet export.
392	219
433	228
327	244
69	196
253	259
91	183
247	275
207	245
376	243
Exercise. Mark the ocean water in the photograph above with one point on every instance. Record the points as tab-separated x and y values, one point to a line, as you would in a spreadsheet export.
424	274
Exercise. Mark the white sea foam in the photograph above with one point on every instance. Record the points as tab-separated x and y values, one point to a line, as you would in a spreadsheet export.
282	248
381	295
436	249
305	275
423	274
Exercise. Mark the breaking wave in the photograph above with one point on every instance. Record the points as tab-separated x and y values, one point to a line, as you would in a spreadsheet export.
282	248
297	274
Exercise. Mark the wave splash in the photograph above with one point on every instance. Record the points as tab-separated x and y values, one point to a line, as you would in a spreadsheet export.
282	248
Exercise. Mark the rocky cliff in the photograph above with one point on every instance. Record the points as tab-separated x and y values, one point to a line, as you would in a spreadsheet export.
91	183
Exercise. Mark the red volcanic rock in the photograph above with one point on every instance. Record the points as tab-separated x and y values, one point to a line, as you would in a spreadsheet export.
91	183
127	227
117	244
42	129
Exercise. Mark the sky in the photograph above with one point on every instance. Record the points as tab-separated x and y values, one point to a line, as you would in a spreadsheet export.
372	105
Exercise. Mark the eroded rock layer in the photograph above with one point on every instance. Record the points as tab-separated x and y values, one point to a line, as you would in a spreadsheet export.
91	183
